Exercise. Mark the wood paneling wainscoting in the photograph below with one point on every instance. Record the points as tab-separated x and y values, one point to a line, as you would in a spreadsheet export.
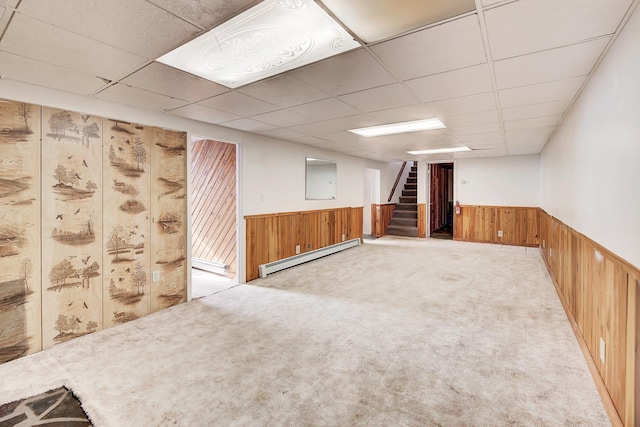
381	218
271	237
520	226
422	220
599	292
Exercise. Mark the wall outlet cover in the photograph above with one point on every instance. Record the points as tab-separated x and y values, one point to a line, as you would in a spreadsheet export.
156	276
602	350
297	249
499	233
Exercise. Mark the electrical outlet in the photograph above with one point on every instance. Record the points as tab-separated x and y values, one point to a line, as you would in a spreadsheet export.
343	237
297	249
602	348
156	276
308	245
499	233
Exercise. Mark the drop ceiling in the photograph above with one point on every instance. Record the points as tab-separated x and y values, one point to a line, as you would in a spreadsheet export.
499	74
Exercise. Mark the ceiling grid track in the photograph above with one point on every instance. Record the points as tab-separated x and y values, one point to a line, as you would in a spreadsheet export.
492	71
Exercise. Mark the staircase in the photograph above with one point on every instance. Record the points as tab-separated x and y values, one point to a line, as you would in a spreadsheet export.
404	221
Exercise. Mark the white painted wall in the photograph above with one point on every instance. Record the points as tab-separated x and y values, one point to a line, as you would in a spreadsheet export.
590	169
498	181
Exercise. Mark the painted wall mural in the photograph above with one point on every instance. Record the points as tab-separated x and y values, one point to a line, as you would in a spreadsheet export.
89	208
127	222
20	303
71	225
168	207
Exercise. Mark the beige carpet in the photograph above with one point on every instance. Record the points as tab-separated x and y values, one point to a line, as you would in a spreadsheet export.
397	332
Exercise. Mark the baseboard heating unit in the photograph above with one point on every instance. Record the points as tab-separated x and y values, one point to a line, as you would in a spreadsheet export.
210	266
281	264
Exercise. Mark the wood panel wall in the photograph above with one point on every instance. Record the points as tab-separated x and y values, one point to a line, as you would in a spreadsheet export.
272	237
599	292
214	203
520	225
381	218
422	220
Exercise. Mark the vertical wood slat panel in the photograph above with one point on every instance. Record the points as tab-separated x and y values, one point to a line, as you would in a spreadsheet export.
214	202
422	220
273	237
381	218
519	225
599	291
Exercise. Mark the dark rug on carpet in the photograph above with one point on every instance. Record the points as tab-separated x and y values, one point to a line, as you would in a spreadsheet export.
55	408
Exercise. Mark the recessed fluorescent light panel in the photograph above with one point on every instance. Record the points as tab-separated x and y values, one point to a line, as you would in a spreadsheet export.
270	38
403	127
440	150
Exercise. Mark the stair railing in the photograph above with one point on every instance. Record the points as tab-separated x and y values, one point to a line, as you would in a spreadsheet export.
393	190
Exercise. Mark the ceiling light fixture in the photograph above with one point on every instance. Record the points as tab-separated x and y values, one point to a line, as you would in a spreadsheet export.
440	150
402	127
270	38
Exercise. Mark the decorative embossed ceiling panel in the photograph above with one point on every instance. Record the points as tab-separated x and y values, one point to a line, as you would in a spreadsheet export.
270	38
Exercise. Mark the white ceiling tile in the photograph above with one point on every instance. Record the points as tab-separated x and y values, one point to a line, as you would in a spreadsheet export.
27	70
378	20
350	72
283	118
453	84
481	117
285	134
308	140
402	114
284	91
525	150
555	64
139	98
488	136
335	125
482	128
116	23
248	125
37	40
458	44
238	103
463	105
481	145
380	98
535	110
204	13
522	134
325	109
531	123
523	27
165	80
490	2
203	114
539	93
497	152
523	140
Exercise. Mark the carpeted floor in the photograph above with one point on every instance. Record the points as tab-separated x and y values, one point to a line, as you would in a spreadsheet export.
397	332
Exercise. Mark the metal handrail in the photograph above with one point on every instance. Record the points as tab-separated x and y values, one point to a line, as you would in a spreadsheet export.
393	190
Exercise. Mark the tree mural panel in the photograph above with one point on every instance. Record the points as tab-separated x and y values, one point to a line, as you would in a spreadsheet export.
168	210
127	219
71	225
20	303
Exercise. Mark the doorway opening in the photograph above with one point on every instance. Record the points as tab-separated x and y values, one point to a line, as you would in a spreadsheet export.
213	216
441	200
